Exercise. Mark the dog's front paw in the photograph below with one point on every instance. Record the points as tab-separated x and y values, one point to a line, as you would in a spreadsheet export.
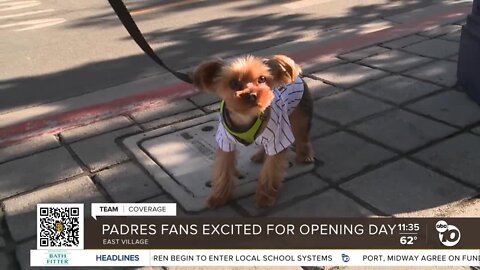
266	196
305	154
215	201
305	159
264	200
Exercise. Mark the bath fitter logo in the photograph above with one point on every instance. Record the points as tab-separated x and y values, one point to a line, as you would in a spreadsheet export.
57	257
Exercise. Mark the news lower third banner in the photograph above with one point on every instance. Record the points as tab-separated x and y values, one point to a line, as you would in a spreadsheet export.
150	234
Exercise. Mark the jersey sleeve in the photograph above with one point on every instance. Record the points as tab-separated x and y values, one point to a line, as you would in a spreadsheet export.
278	133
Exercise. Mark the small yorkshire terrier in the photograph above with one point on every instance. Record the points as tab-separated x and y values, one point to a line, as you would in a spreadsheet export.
264	102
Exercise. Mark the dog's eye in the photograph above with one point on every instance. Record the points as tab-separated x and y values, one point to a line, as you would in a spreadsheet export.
262	79
236	85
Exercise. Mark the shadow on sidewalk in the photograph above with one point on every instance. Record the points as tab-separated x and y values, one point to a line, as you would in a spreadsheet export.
219	37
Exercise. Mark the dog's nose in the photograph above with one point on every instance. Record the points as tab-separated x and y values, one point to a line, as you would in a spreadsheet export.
252	97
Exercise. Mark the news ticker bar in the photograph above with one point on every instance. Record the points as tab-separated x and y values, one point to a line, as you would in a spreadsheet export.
185	257
281	233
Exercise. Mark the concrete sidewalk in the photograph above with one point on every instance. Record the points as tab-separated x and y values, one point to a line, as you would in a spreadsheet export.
312	50
392	136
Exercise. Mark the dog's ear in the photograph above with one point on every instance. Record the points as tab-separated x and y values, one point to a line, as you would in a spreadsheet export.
205	74
283	69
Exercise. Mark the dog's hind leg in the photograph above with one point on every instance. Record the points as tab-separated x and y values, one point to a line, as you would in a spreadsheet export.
223	174
301	121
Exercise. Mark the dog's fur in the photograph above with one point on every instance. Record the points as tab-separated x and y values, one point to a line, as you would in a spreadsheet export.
246	84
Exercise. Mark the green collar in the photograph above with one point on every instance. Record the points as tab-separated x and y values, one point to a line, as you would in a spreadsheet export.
246	137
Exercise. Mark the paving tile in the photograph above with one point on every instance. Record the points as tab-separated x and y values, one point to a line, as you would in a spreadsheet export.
127	183
291	189
441	72
404	186
470	208
347	106
95	128
453	107
402	42
36	170
22	252
461	208
476	130
21	210
102	151
343	154
436	48
397	89
453	36
163	110
212	108
348	75
5	263
319	63
454	58
204	99
360	54
25	148
421	13
330	203
172	119
313	63
319	89
458	156
222	212
2	217
395	61
320	127
441	30
403	130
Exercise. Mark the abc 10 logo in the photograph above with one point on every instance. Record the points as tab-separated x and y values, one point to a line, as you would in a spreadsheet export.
449	235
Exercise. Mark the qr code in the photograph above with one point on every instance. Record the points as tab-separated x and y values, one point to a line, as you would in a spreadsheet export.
60	226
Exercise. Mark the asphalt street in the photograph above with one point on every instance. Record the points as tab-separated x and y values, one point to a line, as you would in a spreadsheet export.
51	50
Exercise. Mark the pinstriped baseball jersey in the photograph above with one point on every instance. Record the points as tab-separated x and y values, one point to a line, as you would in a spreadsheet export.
277	134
